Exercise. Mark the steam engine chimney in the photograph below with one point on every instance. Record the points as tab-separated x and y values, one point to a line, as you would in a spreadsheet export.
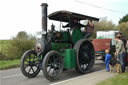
44	20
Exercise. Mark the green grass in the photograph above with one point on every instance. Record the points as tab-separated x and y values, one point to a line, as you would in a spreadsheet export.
121	79
6	64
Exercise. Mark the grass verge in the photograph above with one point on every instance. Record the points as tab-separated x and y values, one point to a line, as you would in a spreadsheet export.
121	79
6	64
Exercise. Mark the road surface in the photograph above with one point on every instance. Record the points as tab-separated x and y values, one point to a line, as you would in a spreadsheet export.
15	77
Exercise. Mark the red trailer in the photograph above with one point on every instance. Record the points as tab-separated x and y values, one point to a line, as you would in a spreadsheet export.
100	45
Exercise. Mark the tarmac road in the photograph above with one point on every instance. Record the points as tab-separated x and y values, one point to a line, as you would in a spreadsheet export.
15	77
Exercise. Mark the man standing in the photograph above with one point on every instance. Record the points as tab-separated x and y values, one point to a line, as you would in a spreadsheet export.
120	52
122	38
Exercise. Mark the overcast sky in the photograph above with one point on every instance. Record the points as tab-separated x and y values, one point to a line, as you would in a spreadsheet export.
25	15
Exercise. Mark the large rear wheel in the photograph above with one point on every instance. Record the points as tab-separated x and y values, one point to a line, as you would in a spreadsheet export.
52	65
30	64
85	56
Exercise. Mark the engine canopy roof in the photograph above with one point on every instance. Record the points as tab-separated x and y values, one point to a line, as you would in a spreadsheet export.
65	16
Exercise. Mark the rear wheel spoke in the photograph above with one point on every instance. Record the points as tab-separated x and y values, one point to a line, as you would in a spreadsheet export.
53	73
49	70
57	71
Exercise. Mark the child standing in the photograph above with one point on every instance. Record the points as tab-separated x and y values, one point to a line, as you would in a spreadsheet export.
107	59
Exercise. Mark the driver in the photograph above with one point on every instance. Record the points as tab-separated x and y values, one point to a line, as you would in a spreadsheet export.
75	23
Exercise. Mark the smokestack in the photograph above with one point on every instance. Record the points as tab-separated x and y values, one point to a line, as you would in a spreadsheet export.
44	19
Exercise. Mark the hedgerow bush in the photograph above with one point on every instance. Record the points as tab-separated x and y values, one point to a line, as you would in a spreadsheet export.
14	48
18	47
2	56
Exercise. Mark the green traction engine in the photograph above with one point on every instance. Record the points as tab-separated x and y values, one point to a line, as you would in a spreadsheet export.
61	50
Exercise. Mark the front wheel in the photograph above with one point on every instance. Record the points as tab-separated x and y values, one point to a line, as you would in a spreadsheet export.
30	64
52	65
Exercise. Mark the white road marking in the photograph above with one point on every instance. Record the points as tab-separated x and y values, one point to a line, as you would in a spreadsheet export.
76	78
11	76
